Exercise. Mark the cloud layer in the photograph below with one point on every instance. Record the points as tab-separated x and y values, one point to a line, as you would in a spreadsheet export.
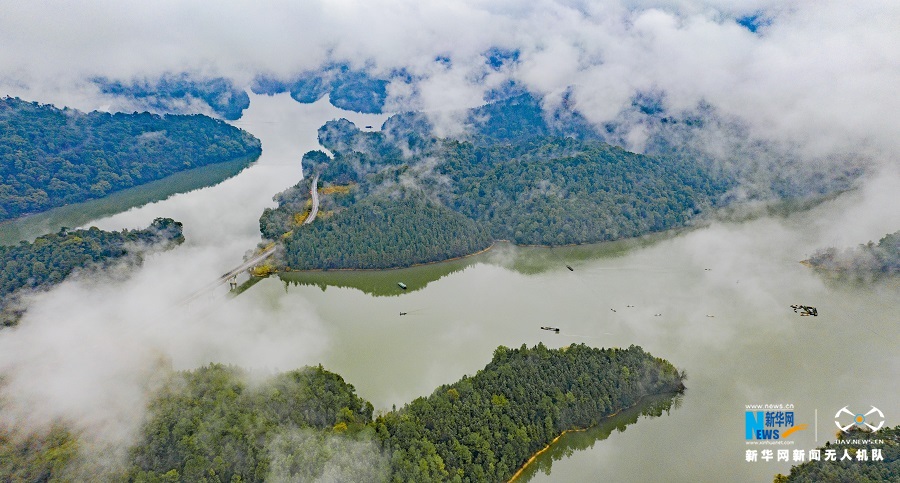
816	75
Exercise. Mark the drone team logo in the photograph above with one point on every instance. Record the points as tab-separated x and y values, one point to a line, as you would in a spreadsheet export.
858	419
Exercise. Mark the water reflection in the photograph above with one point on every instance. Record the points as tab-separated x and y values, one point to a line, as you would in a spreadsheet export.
381	282
525	260
569	443
79	214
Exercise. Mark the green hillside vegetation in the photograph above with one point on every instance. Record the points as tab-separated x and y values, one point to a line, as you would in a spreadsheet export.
561	191
212	425
385	232
51	157
51	258
483	428
872	258
517	175
37	457
853	470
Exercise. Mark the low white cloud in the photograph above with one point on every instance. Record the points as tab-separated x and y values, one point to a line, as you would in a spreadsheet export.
88	351
816	74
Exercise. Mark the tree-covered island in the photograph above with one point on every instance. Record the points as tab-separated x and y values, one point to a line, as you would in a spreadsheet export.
866	260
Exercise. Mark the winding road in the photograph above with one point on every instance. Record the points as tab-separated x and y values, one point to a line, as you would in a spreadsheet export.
314	193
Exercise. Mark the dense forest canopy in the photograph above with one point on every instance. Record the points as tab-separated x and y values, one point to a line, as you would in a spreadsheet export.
483	428
854	469
382	232
517	173
51	258
871	258
211	424
51	157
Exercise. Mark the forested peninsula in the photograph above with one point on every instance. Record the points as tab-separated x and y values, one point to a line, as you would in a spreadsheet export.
51	157
212	424
515	176
870	259
51	258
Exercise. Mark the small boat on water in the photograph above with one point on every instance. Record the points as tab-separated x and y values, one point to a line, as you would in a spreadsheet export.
403	313
401	285
805	310
554	329
570	268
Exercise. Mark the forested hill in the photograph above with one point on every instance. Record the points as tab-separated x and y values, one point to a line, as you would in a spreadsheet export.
211	424
483	428
868	259
527	176
511	120
51	157
51	258
517	174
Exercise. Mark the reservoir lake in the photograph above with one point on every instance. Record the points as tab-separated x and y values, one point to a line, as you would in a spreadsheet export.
713	299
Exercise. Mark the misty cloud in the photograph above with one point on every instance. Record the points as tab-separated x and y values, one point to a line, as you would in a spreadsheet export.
87	352
300	455
816	74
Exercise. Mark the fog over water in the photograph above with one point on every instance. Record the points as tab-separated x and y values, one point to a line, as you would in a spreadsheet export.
86	349
816	80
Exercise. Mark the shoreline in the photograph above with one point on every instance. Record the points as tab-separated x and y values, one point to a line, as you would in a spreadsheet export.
672	231
27	227
549	445
250	159
719	214
422	264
